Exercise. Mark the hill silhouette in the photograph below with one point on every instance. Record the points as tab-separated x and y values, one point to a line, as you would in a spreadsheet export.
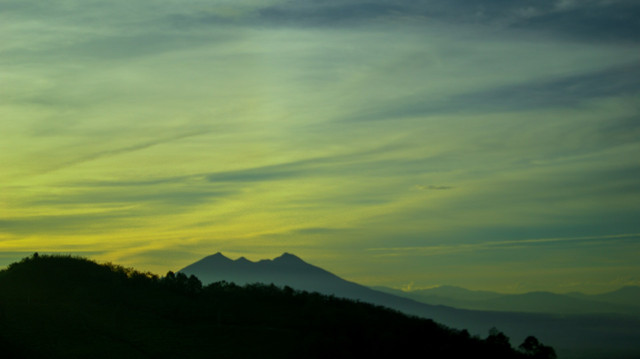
68	307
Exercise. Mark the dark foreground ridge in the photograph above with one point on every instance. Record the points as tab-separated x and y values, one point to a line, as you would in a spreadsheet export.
69	307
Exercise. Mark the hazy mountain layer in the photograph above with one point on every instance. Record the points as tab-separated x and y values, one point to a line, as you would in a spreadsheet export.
622	301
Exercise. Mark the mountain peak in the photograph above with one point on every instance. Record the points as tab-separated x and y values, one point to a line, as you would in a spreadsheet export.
242	260
218	257
288	258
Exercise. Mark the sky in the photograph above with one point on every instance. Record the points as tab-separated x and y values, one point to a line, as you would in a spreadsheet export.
487	144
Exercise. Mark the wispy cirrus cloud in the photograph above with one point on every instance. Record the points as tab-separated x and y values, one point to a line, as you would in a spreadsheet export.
512	244
77	223
124	150
585	20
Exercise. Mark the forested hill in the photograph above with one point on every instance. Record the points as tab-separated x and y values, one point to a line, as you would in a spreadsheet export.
68	307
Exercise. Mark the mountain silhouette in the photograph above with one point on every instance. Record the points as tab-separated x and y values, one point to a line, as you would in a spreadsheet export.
628	295
577	336
285	270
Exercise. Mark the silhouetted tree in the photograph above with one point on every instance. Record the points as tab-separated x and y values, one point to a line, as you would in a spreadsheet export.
498	338
182	279
194	285
533	348
499	343
170	276
288	290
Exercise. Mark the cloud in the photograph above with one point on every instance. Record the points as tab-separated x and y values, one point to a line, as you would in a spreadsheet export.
621	130
320	231
590	20
76	223
505	244
263	173
334	12
328	13
587	20
558	92
612	20
124	150
433	187
176	198
552	92
344	164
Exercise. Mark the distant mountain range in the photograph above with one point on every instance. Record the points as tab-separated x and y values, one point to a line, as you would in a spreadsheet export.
574	336
623	301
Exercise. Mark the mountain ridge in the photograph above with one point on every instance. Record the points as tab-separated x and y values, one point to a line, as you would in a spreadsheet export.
286	269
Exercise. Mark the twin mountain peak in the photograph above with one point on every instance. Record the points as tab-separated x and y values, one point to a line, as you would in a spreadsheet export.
286	269
221	258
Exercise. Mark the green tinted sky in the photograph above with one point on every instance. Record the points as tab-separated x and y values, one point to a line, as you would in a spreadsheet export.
486	144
